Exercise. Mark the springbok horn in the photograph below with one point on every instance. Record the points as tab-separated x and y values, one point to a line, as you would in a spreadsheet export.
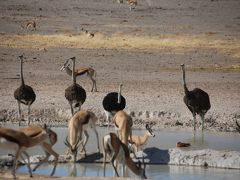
77	144
66	142
64	65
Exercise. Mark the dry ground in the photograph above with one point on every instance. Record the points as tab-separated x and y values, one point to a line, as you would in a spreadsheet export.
142	49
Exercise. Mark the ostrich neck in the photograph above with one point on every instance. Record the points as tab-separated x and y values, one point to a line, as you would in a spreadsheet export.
68	71
119	95
73	74
21	72
184	81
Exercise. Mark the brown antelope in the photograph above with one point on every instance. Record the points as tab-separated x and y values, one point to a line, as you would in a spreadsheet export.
138	142
79	123
123	125
29	25
90	72
20	142
33	131
119	153
132	4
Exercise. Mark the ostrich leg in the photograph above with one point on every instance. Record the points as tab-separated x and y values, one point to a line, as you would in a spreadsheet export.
108	119
19	113
202	117
80	105
29	114
194	121
71	108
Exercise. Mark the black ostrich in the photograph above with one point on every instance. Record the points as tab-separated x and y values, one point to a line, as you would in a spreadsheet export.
24	94
112	103
196	100
75	94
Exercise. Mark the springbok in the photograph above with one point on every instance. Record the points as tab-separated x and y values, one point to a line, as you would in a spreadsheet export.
29	25
90	72
119	153
33	131
138	142
132	4
20	142
123	125
79	123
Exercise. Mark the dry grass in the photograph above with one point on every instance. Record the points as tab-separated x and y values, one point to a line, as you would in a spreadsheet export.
177	43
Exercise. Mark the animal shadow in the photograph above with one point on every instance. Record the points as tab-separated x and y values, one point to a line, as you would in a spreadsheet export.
154	155
91	158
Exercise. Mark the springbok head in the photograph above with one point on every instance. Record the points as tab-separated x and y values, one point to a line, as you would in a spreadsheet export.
52	137
149	130
65	65
51	134
73	149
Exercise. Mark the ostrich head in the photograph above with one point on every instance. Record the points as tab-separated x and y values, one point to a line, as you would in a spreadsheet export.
21	57
73	58
183	68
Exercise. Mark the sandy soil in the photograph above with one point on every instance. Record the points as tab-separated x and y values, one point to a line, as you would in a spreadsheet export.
142	49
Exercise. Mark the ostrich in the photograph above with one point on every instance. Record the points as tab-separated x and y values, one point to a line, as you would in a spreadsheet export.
112	103
24	94
196	100
75	94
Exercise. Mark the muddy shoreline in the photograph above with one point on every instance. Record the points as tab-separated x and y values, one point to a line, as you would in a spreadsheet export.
161	119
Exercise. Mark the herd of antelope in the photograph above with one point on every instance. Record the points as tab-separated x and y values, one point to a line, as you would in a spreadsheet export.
117	146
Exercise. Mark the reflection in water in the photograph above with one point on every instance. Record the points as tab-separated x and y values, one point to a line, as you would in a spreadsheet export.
153	172
72	169
163	140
